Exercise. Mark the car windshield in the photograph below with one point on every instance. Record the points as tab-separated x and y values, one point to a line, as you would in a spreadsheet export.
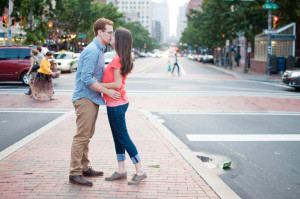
109	55
62	56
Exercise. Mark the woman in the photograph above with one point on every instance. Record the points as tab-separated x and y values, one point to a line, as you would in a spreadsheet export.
114	77
32	71
42	85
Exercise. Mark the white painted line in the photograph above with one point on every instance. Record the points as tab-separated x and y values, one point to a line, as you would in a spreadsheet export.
187	112
32	111
33	135
221	189
243	137
182	71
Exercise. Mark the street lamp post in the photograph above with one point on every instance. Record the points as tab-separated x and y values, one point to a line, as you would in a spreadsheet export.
269	5
9	33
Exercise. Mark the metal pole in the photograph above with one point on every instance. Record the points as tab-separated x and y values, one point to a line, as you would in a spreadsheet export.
269	42
9	33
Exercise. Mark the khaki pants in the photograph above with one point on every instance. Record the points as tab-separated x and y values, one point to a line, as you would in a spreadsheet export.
86	112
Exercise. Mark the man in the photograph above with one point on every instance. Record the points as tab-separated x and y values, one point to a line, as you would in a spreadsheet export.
86	100
39	58
237	58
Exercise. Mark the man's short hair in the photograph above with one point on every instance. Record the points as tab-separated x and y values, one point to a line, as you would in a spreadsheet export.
39	49
100	25
48	53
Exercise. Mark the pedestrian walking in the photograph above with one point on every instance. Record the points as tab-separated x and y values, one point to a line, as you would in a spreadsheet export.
114	77
175	65
42	85
237	58
34	65
38	58
86	100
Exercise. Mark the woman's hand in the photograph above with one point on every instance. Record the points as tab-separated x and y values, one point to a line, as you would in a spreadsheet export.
96	79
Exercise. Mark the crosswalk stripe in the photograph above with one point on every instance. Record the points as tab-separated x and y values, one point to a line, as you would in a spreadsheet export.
242	137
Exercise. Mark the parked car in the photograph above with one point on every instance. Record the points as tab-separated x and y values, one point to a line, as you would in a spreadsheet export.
292	78
142	55
108	57
15	63
66	61
208	59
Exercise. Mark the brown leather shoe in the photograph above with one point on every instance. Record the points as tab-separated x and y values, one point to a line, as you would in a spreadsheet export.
80	180
91	172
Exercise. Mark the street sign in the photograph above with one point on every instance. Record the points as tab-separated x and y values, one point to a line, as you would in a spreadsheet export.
283	37
270	50
266	31
81	36
227	42
270	6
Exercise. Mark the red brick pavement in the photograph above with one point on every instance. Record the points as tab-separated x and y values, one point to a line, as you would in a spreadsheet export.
170	102
40	168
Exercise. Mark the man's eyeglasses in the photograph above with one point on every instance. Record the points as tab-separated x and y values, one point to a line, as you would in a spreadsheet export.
110	32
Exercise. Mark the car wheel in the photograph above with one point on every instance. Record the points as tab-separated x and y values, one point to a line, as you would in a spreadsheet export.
71	69
25	78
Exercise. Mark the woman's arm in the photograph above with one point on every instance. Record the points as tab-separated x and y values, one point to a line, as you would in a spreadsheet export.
117	83
31	65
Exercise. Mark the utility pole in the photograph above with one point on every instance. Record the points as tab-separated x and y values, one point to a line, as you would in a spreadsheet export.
269	5
9	33
269	42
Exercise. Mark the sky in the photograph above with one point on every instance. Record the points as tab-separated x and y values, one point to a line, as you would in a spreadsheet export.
173	12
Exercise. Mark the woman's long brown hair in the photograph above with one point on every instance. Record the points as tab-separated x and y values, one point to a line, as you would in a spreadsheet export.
123	47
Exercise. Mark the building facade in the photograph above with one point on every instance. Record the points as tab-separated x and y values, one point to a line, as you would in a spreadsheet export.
157	31
114	2
181	20
160	12
137	10
194	4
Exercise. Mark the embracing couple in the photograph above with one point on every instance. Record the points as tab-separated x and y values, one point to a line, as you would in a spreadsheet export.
92	80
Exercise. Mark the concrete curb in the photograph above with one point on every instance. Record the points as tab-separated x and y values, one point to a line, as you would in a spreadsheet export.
220	188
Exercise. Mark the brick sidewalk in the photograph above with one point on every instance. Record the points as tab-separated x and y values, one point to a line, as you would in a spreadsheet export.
40	168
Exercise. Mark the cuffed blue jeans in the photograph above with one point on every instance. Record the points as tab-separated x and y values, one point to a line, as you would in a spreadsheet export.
117	122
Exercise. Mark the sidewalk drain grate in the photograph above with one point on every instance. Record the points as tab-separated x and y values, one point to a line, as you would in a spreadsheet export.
28	173
204	158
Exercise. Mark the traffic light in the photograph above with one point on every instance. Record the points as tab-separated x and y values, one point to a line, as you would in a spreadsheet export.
275	20
4	19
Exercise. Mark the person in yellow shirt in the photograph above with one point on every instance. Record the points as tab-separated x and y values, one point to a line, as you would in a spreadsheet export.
42	85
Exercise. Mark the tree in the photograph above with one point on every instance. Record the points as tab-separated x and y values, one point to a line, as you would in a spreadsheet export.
141	38
33	16
288	11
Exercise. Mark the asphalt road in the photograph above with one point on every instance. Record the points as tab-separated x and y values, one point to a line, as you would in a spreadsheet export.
15	125
260	169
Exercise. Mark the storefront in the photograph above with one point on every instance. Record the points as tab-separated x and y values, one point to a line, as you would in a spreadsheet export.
18	36
283	45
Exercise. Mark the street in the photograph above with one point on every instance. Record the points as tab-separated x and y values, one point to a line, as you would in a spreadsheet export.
201	102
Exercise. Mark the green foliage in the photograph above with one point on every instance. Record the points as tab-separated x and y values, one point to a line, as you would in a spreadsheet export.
220	21
72	16
140	36
23	12
288	12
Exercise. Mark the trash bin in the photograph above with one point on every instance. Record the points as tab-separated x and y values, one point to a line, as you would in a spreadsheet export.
280	64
